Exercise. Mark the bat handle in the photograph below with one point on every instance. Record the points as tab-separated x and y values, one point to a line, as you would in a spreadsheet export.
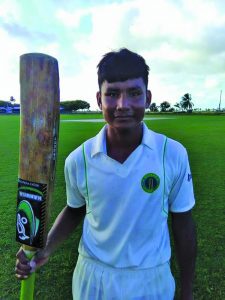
27	285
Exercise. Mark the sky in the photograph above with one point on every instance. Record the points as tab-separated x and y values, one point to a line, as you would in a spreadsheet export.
183	42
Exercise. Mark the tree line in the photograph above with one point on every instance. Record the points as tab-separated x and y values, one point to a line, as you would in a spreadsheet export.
185	104
74	105
67	106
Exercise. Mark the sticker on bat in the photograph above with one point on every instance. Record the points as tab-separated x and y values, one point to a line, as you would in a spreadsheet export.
54	154
30	216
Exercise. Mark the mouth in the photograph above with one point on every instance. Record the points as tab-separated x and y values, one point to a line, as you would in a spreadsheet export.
123	116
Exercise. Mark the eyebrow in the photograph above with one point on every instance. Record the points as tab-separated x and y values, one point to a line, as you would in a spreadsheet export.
110	89
134	88
116	89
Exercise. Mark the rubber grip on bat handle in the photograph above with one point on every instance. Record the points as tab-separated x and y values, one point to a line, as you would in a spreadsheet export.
27	285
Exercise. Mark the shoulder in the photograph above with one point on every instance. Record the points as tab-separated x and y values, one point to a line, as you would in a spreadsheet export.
89	147
172	150
175	155
161	141
174	147
77	155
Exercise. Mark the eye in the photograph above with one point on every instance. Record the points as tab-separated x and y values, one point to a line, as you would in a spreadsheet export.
112	94
136	93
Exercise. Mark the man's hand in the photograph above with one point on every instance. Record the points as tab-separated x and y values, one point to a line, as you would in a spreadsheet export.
64	225
24	266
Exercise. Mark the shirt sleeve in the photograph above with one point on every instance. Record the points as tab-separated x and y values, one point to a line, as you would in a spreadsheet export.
181	197
74	197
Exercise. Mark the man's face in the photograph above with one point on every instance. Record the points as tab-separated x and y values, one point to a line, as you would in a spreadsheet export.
123	103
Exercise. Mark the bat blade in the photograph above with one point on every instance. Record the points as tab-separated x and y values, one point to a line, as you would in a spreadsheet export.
39	130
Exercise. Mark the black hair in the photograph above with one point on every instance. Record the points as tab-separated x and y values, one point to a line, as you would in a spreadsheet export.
122	65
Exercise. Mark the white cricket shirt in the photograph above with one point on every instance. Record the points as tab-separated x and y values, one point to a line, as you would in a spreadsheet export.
128	204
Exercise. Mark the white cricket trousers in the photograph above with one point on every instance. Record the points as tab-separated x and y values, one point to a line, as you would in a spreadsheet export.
93	280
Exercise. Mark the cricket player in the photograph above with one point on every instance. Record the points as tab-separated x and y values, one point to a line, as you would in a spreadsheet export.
125	182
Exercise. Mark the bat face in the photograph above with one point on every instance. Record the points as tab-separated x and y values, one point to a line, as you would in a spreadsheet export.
31	206
39	127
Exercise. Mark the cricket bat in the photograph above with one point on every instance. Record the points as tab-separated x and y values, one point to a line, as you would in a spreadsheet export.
39	129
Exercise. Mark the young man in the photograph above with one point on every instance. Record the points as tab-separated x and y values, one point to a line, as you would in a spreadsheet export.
125	182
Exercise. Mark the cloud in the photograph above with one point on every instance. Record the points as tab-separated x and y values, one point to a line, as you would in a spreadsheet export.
22	32
9	61
71	19
163	29
182	42
9	11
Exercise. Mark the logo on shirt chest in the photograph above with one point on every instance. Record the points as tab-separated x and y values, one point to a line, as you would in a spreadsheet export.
150	182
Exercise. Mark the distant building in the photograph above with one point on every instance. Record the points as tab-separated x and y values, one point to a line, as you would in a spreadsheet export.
6	110
10	109
15	109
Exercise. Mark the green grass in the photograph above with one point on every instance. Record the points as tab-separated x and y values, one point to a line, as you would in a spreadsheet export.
203	136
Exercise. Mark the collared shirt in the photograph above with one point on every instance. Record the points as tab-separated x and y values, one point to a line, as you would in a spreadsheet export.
128	204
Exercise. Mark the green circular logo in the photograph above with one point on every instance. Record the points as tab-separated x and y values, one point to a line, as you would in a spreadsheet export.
150	182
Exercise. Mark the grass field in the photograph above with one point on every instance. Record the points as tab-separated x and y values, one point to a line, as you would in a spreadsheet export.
203	136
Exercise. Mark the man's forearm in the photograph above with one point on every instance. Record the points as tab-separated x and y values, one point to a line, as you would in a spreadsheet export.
186	248
64	225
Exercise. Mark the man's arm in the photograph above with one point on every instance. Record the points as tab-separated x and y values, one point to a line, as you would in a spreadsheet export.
184	234
64	225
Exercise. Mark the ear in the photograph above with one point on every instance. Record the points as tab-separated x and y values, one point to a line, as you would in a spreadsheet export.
148	98
99	99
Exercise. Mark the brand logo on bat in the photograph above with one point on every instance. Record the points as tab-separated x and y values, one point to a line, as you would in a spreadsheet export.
30	193
30	196
150	182
27	223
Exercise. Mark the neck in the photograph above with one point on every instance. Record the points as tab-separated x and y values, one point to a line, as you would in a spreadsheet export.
124	138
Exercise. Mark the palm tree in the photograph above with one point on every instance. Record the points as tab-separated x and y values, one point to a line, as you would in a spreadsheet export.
186	102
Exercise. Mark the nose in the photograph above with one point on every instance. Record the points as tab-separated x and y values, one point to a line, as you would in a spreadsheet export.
123	102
